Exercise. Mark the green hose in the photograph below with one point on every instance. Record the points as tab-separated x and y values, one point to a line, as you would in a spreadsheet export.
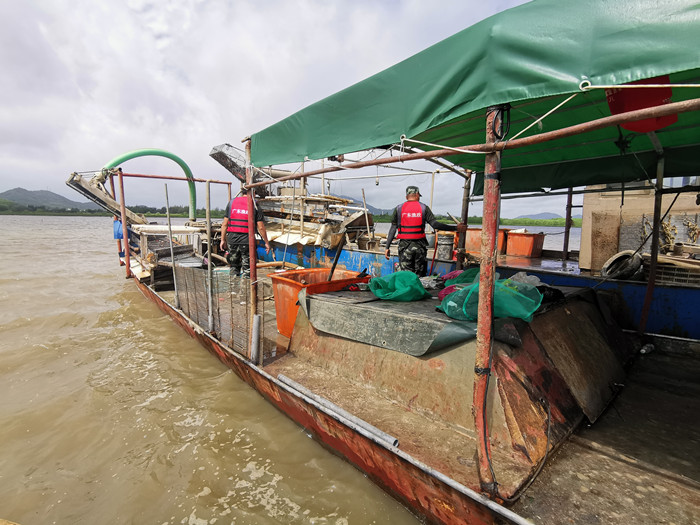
161	153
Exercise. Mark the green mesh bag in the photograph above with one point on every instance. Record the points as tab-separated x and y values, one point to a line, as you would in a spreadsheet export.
452	304
467	276
510	299
398	286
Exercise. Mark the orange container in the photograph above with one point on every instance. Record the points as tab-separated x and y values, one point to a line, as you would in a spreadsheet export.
525	244
287	285
472	242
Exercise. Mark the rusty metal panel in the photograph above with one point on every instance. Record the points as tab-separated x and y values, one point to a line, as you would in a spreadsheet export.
581	354
426	492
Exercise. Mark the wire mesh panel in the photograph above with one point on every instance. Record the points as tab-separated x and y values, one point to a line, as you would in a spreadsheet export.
231	307
230	295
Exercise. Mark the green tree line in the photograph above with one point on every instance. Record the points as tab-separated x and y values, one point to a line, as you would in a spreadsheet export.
13	208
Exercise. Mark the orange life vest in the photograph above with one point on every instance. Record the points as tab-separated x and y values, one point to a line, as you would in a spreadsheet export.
411	224
238	216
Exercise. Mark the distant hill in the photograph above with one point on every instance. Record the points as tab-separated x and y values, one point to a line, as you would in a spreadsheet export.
543	215
47	199
372	209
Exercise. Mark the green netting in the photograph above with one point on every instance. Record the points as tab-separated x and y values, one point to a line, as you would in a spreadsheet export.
399	286
511	299
467	276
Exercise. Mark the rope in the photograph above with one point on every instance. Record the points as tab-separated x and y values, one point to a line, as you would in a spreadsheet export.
440	146
543	117
585	85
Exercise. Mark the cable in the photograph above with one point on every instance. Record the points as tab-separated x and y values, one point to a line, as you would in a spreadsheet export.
542	117
484	418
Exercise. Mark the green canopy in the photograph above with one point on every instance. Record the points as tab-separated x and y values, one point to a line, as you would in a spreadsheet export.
534	57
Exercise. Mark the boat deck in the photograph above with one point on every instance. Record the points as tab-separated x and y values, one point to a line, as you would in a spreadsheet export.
639	463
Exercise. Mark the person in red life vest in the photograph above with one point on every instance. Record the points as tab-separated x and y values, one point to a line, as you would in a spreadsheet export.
409	221
234	233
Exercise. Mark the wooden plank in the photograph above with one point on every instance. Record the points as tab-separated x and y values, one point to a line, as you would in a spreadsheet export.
581	354
605	229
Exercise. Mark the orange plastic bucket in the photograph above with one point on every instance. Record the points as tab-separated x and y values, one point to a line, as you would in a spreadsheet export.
287	285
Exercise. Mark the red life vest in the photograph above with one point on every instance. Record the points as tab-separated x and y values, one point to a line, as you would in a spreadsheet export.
238	216
411	221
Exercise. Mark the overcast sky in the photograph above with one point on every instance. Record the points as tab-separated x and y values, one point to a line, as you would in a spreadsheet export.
84	81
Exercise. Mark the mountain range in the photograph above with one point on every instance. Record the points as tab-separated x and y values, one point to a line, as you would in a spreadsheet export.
372	209
48	199
45	198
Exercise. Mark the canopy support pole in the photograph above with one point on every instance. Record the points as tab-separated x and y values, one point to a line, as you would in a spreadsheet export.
484	337
252	248
462	236
658	196
210	262
567	224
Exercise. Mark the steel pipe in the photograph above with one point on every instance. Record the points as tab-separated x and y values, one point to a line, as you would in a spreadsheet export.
255	342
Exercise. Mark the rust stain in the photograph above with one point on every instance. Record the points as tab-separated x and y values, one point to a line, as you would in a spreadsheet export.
436	364
418	489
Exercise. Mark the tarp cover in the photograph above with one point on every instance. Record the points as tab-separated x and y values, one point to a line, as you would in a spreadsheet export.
532	56
413	328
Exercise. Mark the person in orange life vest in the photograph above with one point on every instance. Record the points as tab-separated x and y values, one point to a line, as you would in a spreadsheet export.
234	232
409	220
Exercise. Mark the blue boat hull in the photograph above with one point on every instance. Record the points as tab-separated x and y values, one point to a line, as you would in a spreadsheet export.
674	309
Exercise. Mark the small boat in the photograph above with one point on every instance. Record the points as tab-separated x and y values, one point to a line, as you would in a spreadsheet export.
579	411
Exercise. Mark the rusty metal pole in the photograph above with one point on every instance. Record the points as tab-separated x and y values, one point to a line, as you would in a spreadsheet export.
658	196
210	265
252	249
462	237
125	228
172	251
484	338
567	224
114	196
302	189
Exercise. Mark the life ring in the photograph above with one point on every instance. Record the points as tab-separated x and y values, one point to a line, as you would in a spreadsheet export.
622	266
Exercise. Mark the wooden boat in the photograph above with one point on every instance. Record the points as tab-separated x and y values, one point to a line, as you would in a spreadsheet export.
502	420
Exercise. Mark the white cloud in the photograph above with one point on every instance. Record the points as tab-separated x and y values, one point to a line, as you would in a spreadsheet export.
85	81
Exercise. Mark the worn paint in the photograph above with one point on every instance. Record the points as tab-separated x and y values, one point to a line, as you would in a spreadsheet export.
394	471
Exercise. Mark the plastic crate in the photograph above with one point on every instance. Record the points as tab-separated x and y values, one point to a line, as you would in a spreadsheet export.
472	240
525	244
